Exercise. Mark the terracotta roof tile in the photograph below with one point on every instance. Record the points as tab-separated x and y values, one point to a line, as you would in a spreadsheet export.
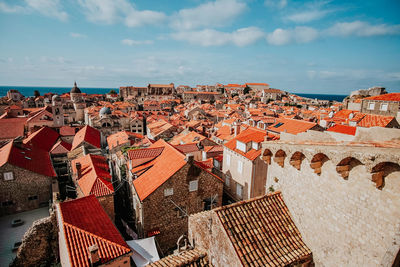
154	173
123	137
262	232
344	129
87	134
85	223
386	97
95	176
370	120
12	127
291	126
44	138
61	147
188	258
248	135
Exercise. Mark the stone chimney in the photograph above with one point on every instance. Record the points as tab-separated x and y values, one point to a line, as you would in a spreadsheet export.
236	127
94	257
78	167
189	158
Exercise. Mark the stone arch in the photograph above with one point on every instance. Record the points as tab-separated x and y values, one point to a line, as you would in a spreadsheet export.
296	159
317	161
346	165
381	170
267	156
279	158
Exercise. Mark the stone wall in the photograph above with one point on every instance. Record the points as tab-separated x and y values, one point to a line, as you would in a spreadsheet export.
107	202
159	213
39	245
205	231
344	221
24	185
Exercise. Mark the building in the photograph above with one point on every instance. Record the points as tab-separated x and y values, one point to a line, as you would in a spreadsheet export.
166	188
386	104
245	173
338	193
258	86
91	175
254	232
87	236
273	94
201	96
78	103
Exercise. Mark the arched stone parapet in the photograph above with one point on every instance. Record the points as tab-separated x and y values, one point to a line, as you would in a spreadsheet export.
280	157
317	161
296	159
381	170
346	165
266	156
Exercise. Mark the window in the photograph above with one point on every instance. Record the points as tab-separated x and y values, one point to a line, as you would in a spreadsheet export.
371	106
384	107
168	192
240	166
239	190
193	185
210	203
228	160
227	180
241	146
254	145
33	198
7	203
8	176
278	125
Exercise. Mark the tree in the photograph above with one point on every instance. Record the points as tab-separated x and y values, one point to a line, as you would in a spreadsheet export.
36	93
112	92
246	90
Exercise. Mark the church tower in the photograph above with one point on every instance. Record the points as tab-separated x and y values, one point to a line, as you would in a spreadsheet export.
79	104
58	111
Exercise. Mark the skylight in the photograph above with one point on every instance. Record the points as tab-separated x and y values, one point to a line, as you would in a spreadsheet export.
278	125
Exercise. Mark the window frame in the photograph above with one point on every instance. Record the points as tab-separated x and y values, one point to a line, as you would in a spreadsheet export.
5	174
384	105
196	187
369	105
240	167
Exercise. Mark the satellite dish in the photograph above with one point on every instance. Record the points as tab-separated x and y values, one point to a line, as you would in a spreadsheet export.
330	114
351	116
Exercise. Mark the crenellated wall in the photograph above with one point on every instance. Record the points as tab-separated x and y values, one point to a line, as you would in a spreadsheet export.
344	198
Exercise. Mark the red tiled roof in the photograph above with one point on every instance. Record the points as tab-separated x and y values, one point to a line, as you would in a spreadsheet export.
188	258
61	147
344	129
187	148
68	130
262	232
87	134
85	223
386	97
12	127
187	138
122	137
30	158
155	172
248	135
95	176
370	120
44	138
291	126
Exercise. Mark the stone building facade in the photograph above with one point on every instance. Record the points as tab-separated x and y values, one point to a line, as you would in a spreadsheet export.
159	214
344	198
25	191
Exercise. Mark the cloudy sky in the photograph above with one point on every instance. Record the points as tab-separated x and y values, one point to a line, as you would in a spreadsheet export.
299	46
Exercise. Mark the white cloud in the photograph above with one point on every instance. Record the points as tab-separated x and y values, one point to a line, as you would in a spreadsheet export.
12	9
77	35
49	8
296	35
210	14
211	37
135	42
113	11
276	3
362	28
307	16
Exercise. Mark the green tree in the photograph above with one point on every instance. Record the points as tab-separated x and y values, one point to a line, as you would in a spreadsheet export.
246	90
112	92
36	93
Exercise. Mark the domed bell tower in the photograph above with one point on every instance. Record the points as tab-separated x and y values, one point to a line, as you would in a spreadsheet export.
58	111
79	104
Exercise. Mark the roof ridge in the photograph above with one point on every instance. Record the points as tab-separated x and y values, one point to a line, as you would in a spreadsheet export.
247	201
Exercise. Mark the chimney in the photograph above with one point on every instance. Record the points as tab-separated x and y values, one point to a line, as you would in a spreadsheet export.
94	257
78	167
236	127
189	158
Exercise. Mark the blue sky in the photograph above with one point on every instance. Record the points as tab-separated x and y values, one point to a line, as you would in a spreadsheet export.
331	47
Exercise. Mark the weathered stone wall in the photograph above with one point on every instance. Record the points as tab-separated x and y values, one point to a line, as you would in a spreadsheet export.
345	222
205	231
159	213
24	185
107	202
39	245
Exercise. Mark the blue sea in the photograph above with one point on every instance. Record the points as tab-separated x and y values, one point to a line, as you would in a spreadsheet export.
338	98
28	90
